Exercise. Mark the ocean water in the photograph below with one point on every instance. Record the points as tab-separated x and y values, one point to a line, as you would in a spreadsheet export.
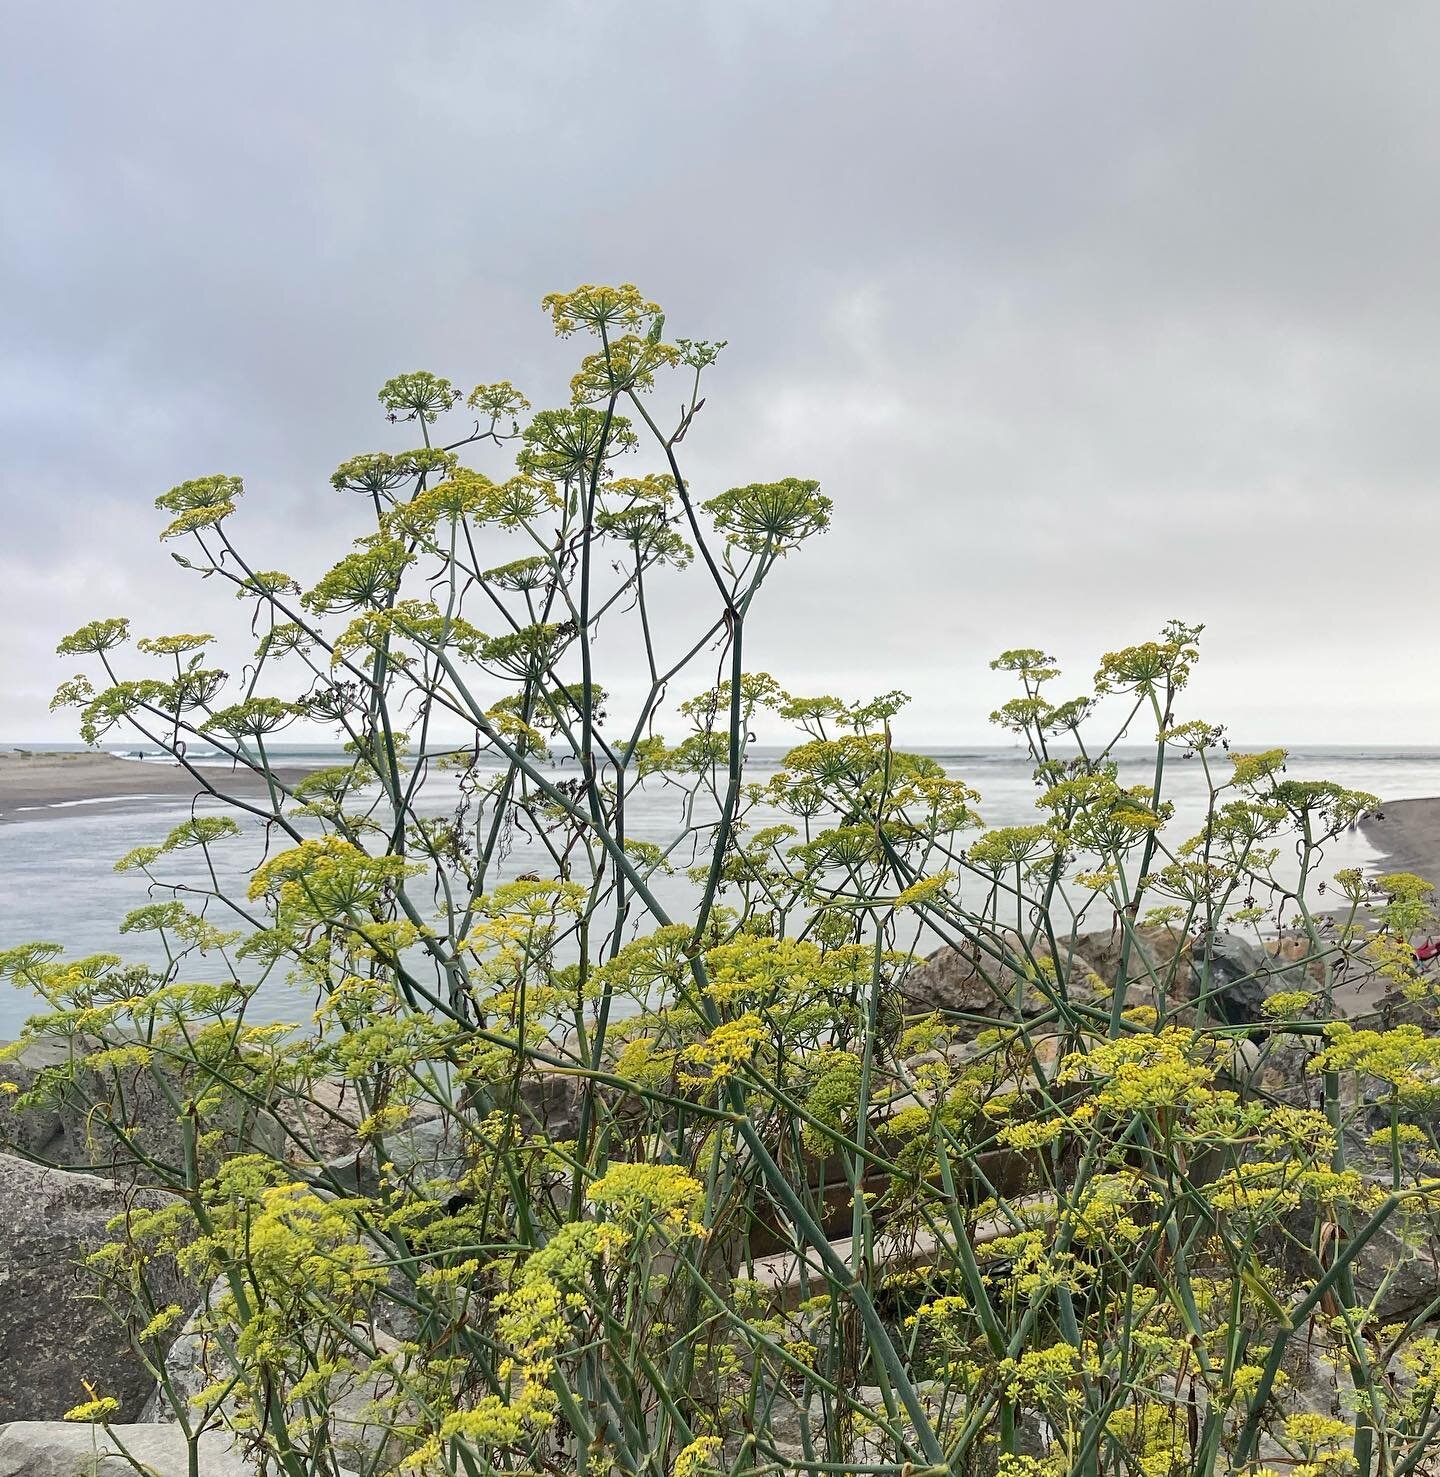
57	877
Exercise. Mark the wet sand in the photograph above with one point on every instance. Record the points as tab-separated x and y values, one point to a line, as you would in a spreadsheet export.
1407	832
49	786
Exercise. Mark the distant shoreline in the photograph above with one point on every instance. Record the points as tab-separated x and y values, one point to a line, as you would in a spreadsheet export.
54	784
49	785
1407	834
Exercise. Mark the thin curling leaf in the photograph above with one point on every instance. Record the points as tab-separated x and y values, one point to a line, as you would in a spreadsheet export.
600	310
379	473
770	517
417	396
200	503
95	637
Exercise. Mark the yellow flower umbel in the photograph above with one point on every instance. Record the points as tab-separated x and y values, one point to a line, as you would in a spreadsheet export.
1142	1073
726	1048
1405	1058
99	1409
696	1458
639	1195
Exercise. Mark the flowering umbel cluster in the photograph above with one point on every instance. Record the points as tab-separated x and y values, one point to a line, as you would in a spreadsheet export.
665	1153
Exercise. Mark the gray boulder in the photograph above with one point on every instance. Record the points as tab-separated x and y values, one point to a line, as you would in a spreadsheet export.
970	981
55	1332
1237	975
322	1125
57	1449
1398	1269
427	1147
86	1115
551	1101
37	1131
1154	964
359	1400
431	1145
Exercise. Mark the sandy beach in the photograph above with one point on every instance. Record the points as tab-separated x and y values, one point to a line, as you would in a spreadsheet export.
1407	832
36	785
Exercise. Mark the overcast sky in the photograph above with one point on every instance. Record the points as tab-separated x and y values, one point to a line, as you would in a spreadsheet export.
1085	315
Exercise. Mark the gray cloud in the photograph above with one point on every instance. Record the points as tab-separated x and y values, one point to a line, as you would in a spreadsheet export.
1086	316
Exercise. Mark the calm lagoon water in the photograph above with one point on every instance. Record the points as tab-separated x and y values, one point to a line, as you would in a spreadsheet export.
57	878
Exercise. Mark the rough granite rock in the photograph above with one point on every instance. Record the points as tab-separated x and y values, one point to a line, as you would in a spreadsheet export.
322	1126
1238	975
431	1145
37	1131
54	1332
1399	1267
552	1100
72	1130
426	1147
968	981
196	1361
57	1449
